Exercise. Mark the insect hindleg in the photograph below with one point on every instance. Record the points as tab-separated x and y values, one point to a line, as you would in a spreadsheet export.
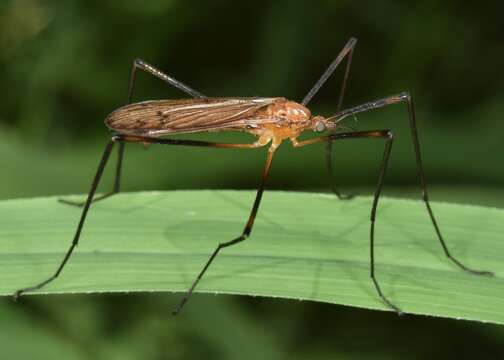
106	154
388	137
140	64
347	51
87	204
405	97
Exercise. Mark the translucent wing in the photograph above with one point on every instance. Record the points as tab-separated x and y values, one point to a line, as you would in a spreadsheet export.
164	117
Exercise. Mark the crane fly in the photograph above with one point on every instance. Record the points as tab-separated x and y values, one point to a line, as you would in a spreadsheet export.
272	120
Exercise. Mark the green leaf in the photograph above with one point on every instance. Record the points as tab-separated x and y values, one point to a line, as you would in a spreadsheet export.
303	246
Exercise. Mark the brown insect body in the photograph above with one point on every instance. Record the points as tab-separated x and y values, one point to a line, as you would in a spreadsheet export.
271	119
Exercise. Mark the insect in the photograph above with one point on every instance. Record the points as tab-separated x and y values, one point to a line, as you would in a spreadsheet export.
272	120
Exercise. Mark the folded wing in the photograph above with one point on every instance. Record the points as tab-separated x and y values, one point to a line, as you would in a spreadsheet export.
164	117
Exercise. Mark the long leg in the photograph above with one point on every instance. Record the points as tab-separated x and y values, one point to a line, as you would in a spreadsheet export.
244	235
389	138
137	64
329	156
248	227
405	97
75	241
347	50
331	174
117	182
106	154
141	64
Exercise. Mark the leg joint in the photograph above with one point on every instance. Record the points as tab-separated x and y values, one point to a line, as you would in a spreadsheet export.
117	138
234	241
352	41
405	95
138	62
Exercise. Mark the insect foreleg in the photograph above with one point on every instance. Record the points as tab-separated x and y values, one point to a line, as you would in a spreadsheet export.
347	50
405	97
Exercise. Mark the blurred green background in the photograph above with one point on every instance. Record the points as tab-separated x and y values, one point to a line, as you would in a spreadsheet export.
64	65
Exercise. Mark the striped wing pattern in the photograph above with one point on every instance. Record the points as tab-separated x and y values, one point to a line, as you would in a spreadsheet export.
160	117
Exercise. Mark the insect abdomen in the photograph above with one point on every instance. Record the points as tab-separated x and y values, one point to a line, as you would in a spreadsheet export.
183	116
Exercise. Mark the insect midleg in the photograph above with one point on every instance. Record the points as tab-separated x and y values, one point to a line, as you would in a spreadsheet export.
140	64
329	153
248	227
348	52
244	235
405	97
106	154
94	185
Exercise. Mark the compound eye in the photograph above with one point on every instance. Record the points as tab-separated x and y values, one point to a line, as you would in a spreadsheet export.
320	126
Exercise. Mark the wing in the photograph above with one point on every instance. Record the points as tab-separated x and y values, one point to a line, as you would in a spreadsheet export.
164	117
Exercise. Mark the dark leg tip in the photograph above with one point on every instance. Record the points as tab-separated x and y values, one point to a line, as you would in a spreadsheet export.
398	311
385	300
346	196
16	295
82	203
181	304
176	311
485	273
392	307
343	196
469	270
72	203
